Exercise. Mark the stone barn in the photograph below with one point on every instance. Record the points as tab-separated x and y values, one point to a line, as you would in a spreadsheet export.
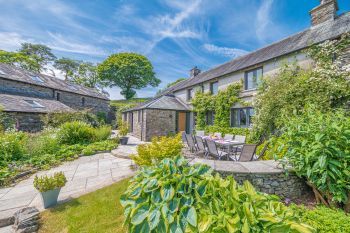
26	96
162	116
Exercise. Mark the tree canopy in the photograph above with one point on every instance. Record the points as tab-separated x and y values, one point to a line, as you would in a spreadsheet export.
19	60
41	54
129	71
69	67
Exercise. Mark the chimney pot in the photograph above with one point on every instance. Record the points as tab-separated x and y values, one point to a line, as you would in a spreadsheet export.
327	10
194	71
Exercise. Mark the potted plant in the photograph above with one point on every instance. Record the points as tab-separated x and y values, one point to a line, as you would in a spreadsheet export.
123	131
50	187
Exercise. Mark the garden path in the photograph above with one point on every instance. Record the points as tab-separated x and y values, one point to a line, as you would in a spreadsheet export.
84	175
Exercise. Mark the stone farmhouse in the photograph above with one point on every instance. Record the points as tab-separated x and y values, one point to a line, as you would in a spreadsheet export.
171	112
26	96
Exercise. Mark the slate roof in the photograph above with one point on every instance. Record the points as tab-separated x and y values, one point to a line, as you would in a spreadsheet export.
21	75
165	102
326	31
14	103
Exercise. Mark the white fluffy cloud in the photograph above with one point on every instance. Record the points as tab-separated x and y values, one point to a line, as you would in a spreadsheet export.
225	51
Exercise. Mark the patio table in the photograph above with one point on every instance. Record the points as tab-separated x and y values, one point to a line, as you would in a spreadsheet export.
228	145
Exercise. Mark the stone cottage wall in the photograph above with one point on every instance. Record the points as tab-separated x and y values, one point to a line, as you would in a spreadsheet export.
72	100
159	123
25	89
29	122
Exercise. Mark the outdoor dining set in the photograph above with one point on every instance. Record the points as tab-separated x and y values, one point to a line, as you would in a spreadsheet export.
230	147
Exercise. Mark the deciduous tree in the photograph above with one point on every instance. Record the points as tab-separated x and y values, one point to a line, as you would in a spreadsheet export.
129	71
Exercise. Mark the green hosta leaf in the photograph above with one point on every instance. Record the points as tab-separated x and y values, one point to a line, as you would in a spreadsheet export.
167	214
201	188
302	228
142	228
167	192
279	228
139	214
151	186
174	205
153	218
161	227
175	228
192	216
156	197
187	201
136	192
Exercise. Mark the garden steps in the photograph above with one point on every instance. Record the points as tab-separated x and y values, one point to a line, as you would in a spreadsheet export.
125	151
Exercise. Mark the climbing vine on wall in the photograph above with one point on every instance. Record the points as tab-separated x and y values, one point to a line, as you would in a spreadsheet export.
220	104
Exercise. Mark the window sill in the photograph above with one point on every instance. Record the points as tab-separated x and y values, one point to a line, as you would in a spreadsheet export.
249	90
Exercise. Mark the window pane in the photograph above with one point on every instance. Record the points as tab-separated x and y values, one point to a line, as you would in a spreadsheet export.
214	88
234	118
259	74
243	117
250	115
253	78
250	80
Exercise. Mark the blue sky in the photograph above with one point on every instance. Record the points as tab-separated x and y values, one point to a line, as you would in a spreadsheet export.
174	34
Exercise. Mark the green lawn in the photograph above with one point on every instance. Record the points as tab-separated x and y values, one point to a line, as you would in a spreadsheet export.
98	212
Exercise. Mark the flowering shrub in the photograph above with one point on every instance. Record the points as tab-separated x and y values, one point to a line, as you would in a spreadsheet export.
174	197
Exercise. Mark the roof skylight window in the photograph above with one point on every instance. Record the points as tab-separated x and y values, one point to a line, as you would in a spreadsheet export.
37	79
2	72
34	104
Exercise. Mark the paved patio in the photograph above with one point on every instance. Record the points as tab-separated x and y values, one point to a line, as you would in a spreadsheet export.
84	175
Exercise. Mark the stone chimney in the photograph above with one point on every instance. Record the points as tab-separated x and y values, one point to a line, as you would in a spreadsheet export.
194	71
326	11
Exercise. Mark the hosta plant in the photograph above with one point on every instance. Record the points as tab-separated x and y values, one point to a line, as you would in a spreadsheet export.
175	197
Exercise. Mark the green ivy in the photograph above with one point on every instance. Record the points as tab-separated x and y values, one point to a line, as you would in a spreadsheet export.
220	104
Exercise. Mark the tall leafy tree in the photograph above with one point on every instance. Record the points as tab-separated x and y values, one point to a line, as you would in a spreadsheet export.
129	71
87	75
68	66
19	60
41	54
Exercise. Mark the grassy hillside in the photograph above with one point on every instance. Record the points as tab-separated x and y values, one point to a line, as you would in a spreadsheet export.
122	105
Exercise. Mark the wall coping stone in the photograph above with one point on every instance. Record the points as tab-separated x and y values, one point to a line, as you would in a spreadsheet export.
255	167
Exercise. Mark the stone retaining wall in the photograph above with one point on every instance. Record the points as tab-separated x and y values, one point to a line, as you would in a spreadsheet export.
285	186
266	176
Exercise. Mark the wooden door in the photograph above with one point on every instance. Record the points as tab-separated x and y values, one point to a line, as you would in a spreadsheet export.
181	123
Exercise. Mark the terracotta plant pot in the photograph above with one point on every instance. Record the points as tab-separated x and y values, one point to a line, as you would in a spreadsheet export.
123	140
50	197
